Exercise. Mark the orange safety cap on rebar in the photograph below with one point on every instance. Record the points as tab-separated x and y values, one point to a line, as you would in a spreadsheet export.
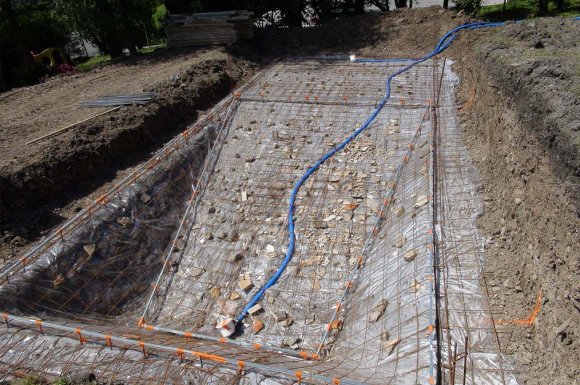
299	375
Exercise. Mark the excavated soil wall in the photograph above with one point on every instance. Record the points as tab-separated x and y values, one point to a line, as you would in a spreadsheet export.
521	127
93	151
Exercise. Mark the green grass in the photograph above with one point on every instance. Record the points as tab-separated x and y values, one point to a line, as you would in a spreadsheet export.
151	48
95	60
525	9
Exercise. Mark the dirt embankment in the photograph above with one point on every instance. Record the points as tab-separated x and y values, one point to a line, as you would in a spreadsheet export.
520	99
38	179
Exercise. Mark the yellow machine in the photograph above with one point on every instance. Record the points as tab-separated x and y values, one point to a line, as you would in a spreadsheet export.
51	58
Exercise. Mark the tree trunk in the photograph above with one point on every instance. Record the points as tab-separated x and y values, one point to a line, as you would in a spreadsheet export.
383	5
445	4
542	7
401	3
2	81
560	5
292	13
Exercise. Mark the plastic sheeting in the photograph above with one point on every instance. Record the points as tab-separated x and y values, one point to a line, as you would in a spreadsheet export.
359	291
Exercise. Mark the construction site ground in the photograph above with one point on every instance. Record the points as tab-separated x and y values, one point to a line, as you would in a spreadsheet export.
518	96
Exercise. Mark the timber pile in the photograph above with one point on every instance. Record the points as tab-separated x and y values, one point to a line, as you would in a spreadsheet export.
209	28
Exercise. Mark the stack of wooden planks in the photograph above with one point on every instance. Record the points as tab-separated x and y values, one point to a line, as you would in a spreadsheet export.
209	28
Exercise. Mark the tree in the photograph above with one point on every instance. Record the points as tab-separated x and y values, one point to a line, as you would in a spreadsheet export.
383	5
542	7
401	3
468	6
112	25
25	26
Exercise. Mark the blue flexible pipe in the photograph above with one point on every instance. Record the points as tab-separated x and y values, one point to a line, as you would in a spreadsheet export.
445	41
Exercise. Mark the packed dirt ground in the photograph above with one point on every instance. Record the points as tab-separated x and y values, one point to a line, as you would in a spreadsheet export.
520	95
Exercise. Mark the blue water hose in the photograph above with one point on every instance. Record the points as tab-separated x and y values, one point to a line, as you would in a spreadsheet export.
445	41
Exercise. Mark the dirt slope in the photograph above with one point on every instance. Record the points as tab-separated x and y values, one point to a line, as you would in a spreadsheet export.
520	92
35	180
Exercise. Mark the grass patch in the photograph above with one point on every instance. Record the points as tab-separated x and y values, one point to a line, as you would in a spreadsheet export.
151	48
95	60
525	9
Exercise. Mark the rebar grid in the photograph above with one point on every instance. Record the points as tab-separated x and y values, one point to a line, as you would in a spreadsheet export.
471	349
159	261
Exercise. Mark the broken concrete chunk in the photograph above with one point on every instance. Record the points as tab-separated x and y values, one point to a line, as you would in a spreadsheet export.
329	218
245	284
59	280
416	286
316	285
145	198
399	211
378	311
280	316
410	255
287	322
195	272
244	196
257	326
421	201
350	205
90	249
270	248
215	291
233	235
230	307
385	335
318	224
250	159
125	221
399	242
256	309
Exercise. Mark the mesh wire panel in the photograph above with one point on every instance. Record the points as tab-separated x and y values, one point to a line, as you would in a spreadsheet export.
132	288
